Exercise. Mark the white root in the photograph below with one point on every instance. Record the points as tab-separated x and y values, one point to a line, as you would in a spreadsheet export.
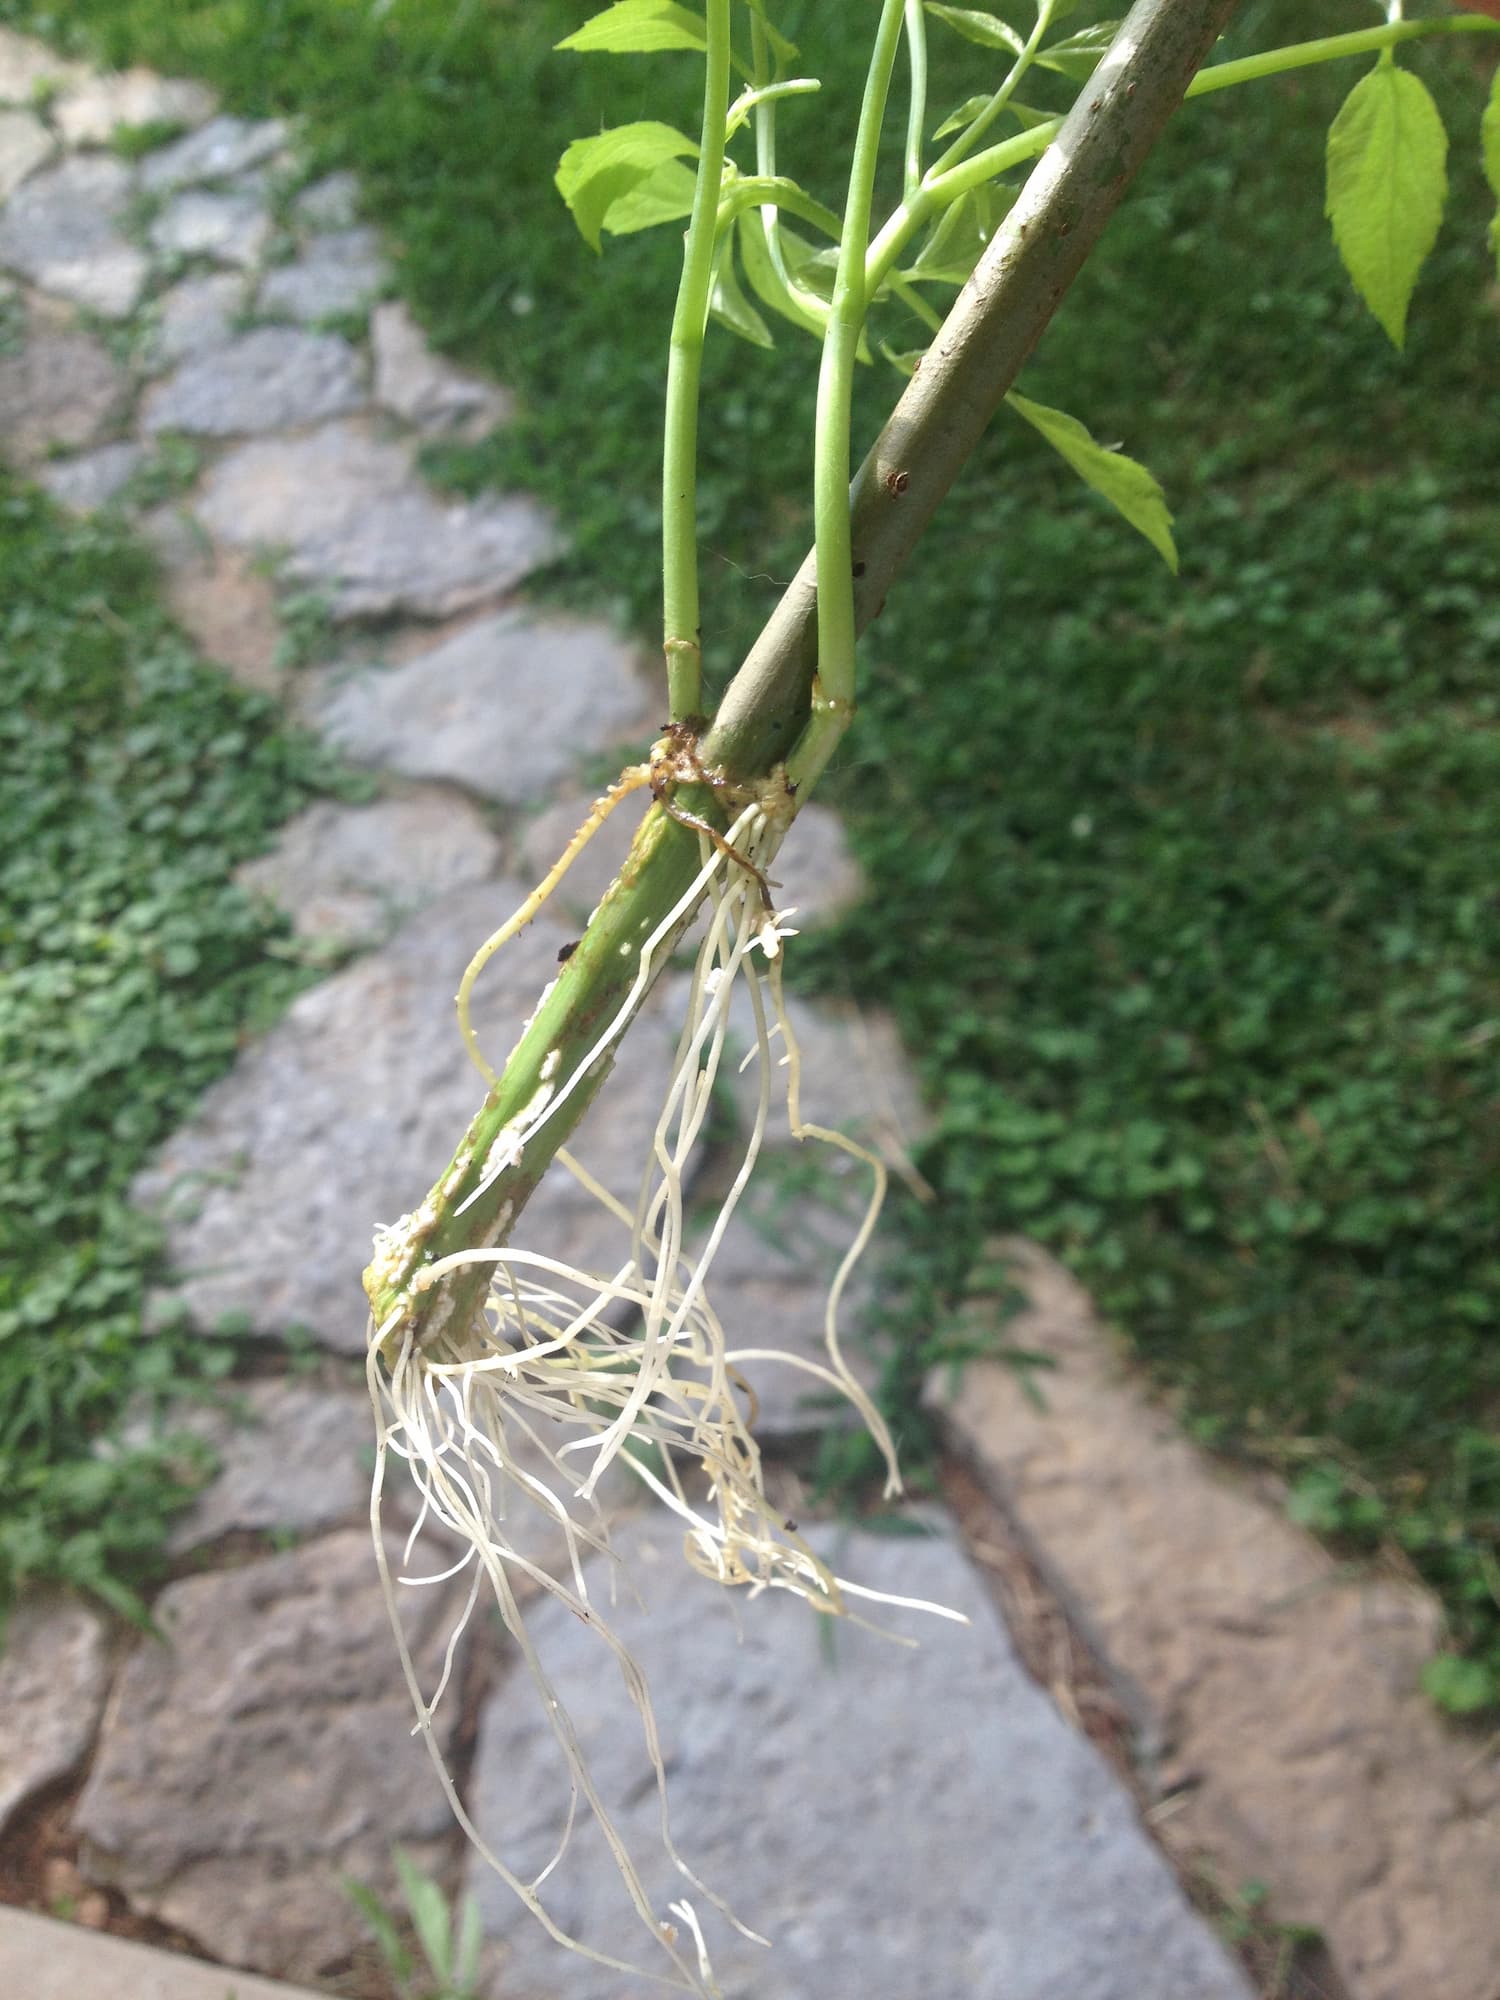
576	1370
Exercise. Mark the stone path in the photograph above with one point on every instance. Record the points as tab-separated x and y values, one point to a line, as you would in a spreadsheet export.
44	1960
203	322
1275	1692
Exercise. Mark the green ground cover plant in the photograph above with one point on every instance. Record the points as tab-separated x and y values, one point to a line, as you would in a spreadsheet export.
1195	904
132	779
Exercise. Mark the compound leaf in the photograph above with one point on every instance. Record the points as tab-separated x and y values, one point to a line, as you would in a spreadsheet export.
1124	482
1387	181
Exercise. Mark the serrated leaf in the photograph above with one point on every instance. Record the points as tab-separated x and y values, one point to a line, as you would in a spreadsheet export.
1078	56
1124	482
1387	181
987	29
665	195
594	174
1490	141
638	27
728	304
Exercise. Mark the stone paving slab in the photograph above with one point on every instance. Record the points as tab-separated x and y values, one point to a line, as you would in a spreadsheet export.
28	66
261	1752
196	315
25	143
61	389
217	151
293	1457
339	1118
505	707
348	874
1283	1691
338	273
272	378
232	228
425	389
41	1959
92	111
62	229
350	519
54	1671
91	479
897	1821
331	203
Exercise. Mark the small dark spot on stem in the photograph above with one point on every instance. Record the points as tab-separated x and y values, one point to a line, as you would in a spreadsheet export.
859	569
565	952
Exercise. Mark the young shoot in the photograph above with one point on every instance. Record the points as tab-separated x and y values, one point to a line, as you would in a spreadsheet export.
514	1388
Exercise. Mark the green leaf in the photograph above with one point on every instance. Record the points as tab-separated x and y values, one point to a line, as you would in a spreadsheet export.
1462	1687
429	1916
962	235
728	304
987	29
766	281
594	174
1490	137
1025	115
963	114
665	195
1078	57
1386	185
1125	483
466	1953
638	27
382	1929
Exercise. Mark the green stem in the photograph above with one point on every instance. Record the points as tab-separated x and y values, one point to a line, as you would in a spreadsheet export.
975	131
1330	48
776	191
943	185
833	687
916	115
681	639
992	328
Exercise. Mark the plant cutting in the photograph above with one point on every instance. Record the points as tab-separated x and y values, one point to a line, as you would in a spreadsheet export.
486	1358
